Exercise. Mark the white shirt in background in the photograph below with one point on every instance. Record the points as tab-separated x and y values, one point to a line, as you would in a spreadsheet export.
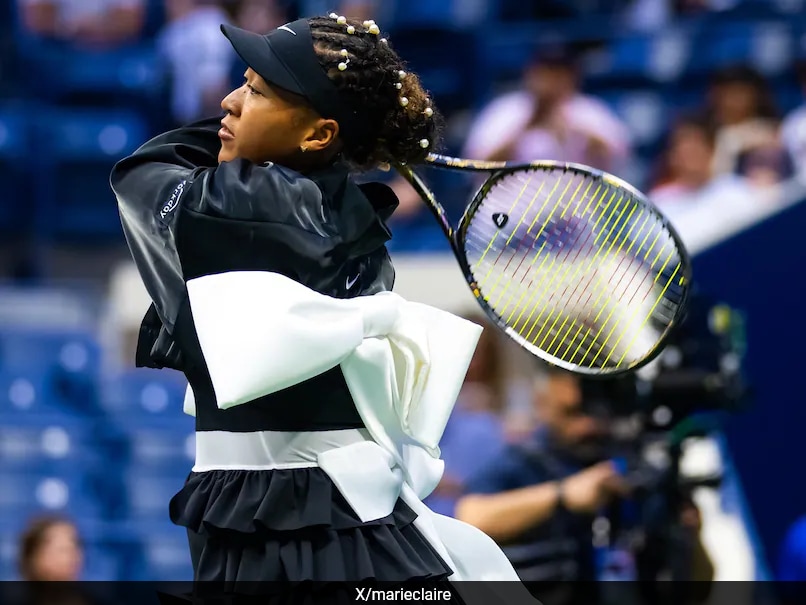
199	58
508	116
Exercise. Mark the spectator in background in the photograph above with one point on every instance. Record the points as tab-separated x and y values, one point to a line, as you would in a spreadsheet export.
539	499
741	106
474	433
793	130
551	119
50	550
97	24
259	16
199	59
698	202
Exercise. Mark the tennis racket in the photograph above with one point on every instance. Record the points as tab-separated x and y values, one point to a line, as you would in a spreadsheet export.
574	264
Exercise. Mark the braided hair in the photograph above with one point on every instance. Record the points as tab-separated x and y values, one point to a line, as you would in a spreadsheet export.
369	74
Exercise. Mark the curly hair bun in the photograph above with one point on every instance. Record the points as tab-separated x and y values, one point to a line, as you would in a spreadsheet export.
366	70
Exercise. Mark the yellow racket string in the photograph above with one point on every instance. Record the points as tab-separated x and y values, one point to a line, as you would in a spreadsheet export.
590	264
532	224
525	292
607	254
601	291
538	296
585	290
483	281
497	233
538	253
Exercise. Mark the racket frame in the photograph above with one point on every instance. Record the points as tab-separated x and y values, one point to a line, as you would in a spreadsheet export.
456	237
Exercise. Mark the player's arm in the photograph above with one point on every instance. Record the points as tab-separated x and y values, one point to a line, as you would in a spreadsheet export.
180	170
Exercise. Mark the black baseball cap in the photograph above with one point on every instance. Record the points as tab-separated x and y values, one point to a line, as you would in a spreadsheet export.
285	58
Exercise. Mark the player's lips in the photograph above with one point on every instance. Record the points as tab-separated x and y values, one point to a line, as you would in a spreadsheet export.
225	134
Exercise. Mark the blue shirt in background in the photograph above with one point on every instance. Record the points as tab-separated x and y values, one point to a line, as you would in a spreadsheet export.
471	440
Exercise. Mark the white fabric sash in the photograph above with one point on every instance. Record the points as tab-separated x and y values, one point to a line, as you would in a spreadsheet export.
404	364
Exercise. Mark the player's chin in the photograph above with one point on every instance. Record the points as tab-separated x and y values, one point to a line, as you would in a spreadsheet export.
227	153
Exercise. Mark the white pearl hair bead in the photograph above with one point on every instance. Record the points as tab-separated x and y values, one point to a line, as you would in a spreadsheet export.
398	85
350	30
424	143
367	23
342	66
334	16
343	52
374	29
341	20
384	41
401	74
404	101
428	112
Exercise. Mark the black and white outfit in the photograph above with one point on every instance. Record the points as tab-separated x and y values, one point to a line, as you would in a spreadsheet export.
319	396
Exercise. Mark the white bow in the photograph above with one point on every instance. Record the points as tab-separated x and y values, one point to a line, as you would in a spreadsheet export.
403	363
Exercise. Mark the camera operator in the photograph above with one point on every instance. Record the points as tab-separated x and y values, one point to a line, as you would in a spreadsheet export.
538	499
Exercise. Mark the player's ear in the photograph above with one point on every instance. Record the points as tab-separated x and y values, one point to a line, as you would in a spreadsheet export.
322	134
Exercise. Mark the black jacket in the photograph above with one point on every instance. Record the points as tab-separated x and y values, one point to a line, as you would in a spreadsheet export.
186	216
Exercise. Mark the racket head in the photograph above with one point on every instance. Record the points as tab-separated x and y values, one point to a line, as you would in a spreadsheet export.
575	265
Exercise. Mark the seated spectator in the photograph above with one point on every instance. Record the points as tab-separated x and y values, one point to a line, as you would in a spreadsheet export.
474	433
741	106
199	59
549	118
97	24
699	203
50	550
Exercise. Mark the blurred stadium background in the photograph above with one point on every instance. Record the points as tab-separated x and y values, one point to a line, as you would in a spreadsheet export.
84	433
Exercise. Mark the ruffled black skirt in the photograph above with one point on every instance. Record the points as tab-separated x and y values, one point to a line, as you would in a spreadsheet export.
294	525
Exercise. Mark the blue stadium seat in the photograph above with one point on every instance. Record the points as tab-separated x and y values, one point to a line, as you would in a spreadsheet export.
148	493
72	350
131	71
449	77
47	444
644	111
15	192
26	494
146	393
50	368
641	60
29	391
501	55
163	446
80	147
100	564
154	551
767	46
128	73
421	13
9	553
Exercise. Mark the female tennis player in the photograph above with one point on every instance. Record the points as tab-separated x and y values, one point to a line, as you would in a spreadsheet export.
319	396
